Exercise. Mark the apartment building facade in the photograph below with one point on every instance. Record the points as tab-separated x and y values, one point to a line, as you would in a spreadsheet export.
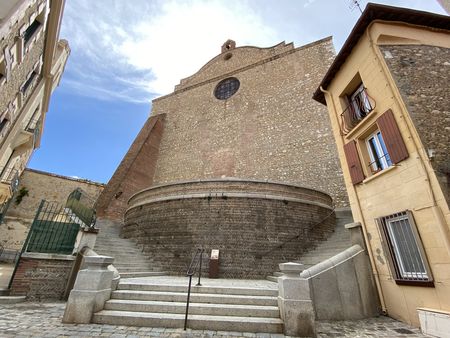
387	96
32	60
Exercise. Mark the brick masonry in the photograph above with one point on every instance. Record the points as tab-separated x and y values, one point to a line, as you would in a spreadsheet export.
254	224
40	279
421	74
135	171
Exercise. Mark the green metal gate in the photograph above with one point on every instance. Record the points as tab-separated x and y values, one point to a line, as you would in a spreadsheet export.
52	231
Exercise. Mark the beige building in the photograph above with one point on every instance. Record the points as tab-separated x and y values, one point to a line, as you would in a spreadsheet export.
32	60
387	96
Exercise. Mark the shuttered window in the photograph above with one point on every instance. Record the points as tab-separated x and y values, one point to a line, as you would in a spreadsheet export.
354	164
392	137
384	147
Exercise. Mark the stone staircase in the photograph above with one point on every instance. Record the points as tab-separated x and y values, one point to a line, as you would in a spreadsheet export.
243	309
337	242
128	258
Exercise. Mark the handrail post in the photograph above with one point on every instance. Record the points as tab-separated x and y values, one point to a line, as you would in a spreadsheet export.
200	271
187	302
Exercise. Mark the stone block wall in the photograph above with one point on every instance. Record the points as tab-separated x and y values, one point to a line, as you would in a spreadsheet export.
421	75
42	276
255	225
271	129
40	185
20	72
51	187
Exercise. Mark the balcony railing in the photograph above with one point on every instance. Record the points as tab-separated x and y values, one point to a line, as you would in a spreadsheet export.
10	176
359	107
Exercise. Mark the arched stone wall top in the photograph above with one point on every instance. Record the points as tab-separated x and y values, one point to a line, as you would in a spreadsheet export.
231	60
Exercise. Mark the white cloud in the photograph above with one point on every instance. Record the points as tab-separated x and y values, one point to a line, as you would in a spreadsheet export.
148	48
136	50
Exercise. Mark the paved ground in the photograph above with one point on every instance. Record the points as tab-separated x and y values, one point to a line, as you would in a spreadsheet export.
44	320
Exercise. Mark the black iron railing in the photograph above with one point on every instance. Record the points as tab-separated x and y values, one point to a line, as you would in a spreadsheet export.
82	206
196	262
380	163
359	107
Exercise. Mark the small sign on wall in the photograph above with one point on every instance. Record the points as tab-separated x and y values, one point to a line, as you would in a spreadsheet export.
214	254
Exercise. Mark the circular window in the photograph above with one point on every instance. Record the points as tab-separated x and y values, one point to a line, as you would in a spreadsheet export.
226	88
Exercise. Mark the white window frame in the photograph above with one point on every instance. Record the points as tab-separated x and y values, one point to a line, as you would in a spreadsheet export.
381	154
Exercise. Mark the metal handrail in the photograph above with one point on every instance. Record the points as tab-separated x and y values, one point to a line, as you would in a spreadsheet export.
190	272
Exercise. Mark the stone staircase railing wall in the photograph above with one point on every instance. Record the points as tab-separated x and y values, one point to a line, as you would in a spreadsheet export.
339	288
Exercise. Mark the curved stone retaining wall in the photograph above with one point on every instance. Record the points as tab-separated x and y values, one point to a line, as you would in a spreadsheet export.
254	224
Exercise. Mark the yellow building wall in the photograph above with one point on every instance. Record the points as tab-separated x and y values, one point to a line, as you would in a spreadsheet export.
406	186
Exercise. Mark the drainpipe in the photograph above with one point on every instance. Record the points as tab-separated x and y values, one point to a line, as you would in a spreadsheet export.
438	214
361	216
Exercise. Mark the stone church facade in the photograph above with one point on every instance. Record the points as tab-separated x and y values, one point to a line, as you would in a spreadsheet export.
238	158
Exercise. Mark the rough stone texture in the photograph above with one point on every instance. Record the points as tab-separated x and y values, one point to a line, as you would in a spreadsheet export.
20	71
421	74
40	279
271	129
255	225
51	187
134	173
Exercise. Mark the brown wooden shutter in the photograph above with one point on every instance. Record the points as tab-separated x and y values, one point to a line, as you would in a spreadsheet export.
392	137
354	165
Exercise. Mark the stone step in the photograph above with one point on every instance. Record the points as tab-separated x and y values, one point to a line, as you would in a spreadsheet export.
195	297
272	278
194	308
196	322
137	274
12	299
198	289
4	291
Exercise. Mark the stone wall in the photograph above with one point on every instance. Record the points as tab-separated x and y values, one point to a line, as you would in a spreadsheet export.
421	74
40	185
20	72
255	225
51	187
42	276
271	129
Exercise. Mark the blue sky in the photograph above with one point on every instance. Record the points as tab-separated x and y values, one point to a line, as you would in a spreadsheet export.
126	53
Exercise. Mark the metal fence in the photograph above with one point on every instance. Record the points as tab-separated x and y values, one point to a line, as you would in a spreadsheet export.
53	230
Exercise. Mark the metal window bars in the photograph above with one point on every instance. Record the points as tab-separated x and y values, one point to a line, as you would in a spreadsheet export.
407	254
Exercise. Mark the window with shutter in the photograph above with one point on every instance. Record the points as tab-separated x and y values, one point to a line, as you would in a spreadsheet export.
392	137
354	164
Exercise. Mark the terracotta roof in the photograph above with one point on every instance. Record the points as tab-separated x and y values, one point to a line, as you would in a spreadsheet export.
371	13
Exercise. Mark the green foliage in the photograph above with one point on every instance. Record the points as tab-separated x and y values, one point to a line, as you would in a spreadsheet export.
21	194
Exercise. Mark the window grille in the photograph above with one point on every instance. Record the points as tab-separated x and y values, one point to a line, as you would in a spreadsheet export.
226	88
406	253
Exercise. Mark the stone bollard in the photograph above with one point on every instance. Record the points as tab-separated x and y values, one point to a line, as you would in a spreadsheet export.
294	301
91	290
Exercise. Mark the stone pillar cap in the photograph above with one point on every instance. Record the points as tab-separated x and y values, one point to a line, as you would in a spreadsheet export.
98	261
291	268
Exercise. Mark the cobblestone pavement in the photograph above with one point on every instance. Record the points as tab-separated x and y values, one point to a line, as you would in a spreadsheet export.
44	320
